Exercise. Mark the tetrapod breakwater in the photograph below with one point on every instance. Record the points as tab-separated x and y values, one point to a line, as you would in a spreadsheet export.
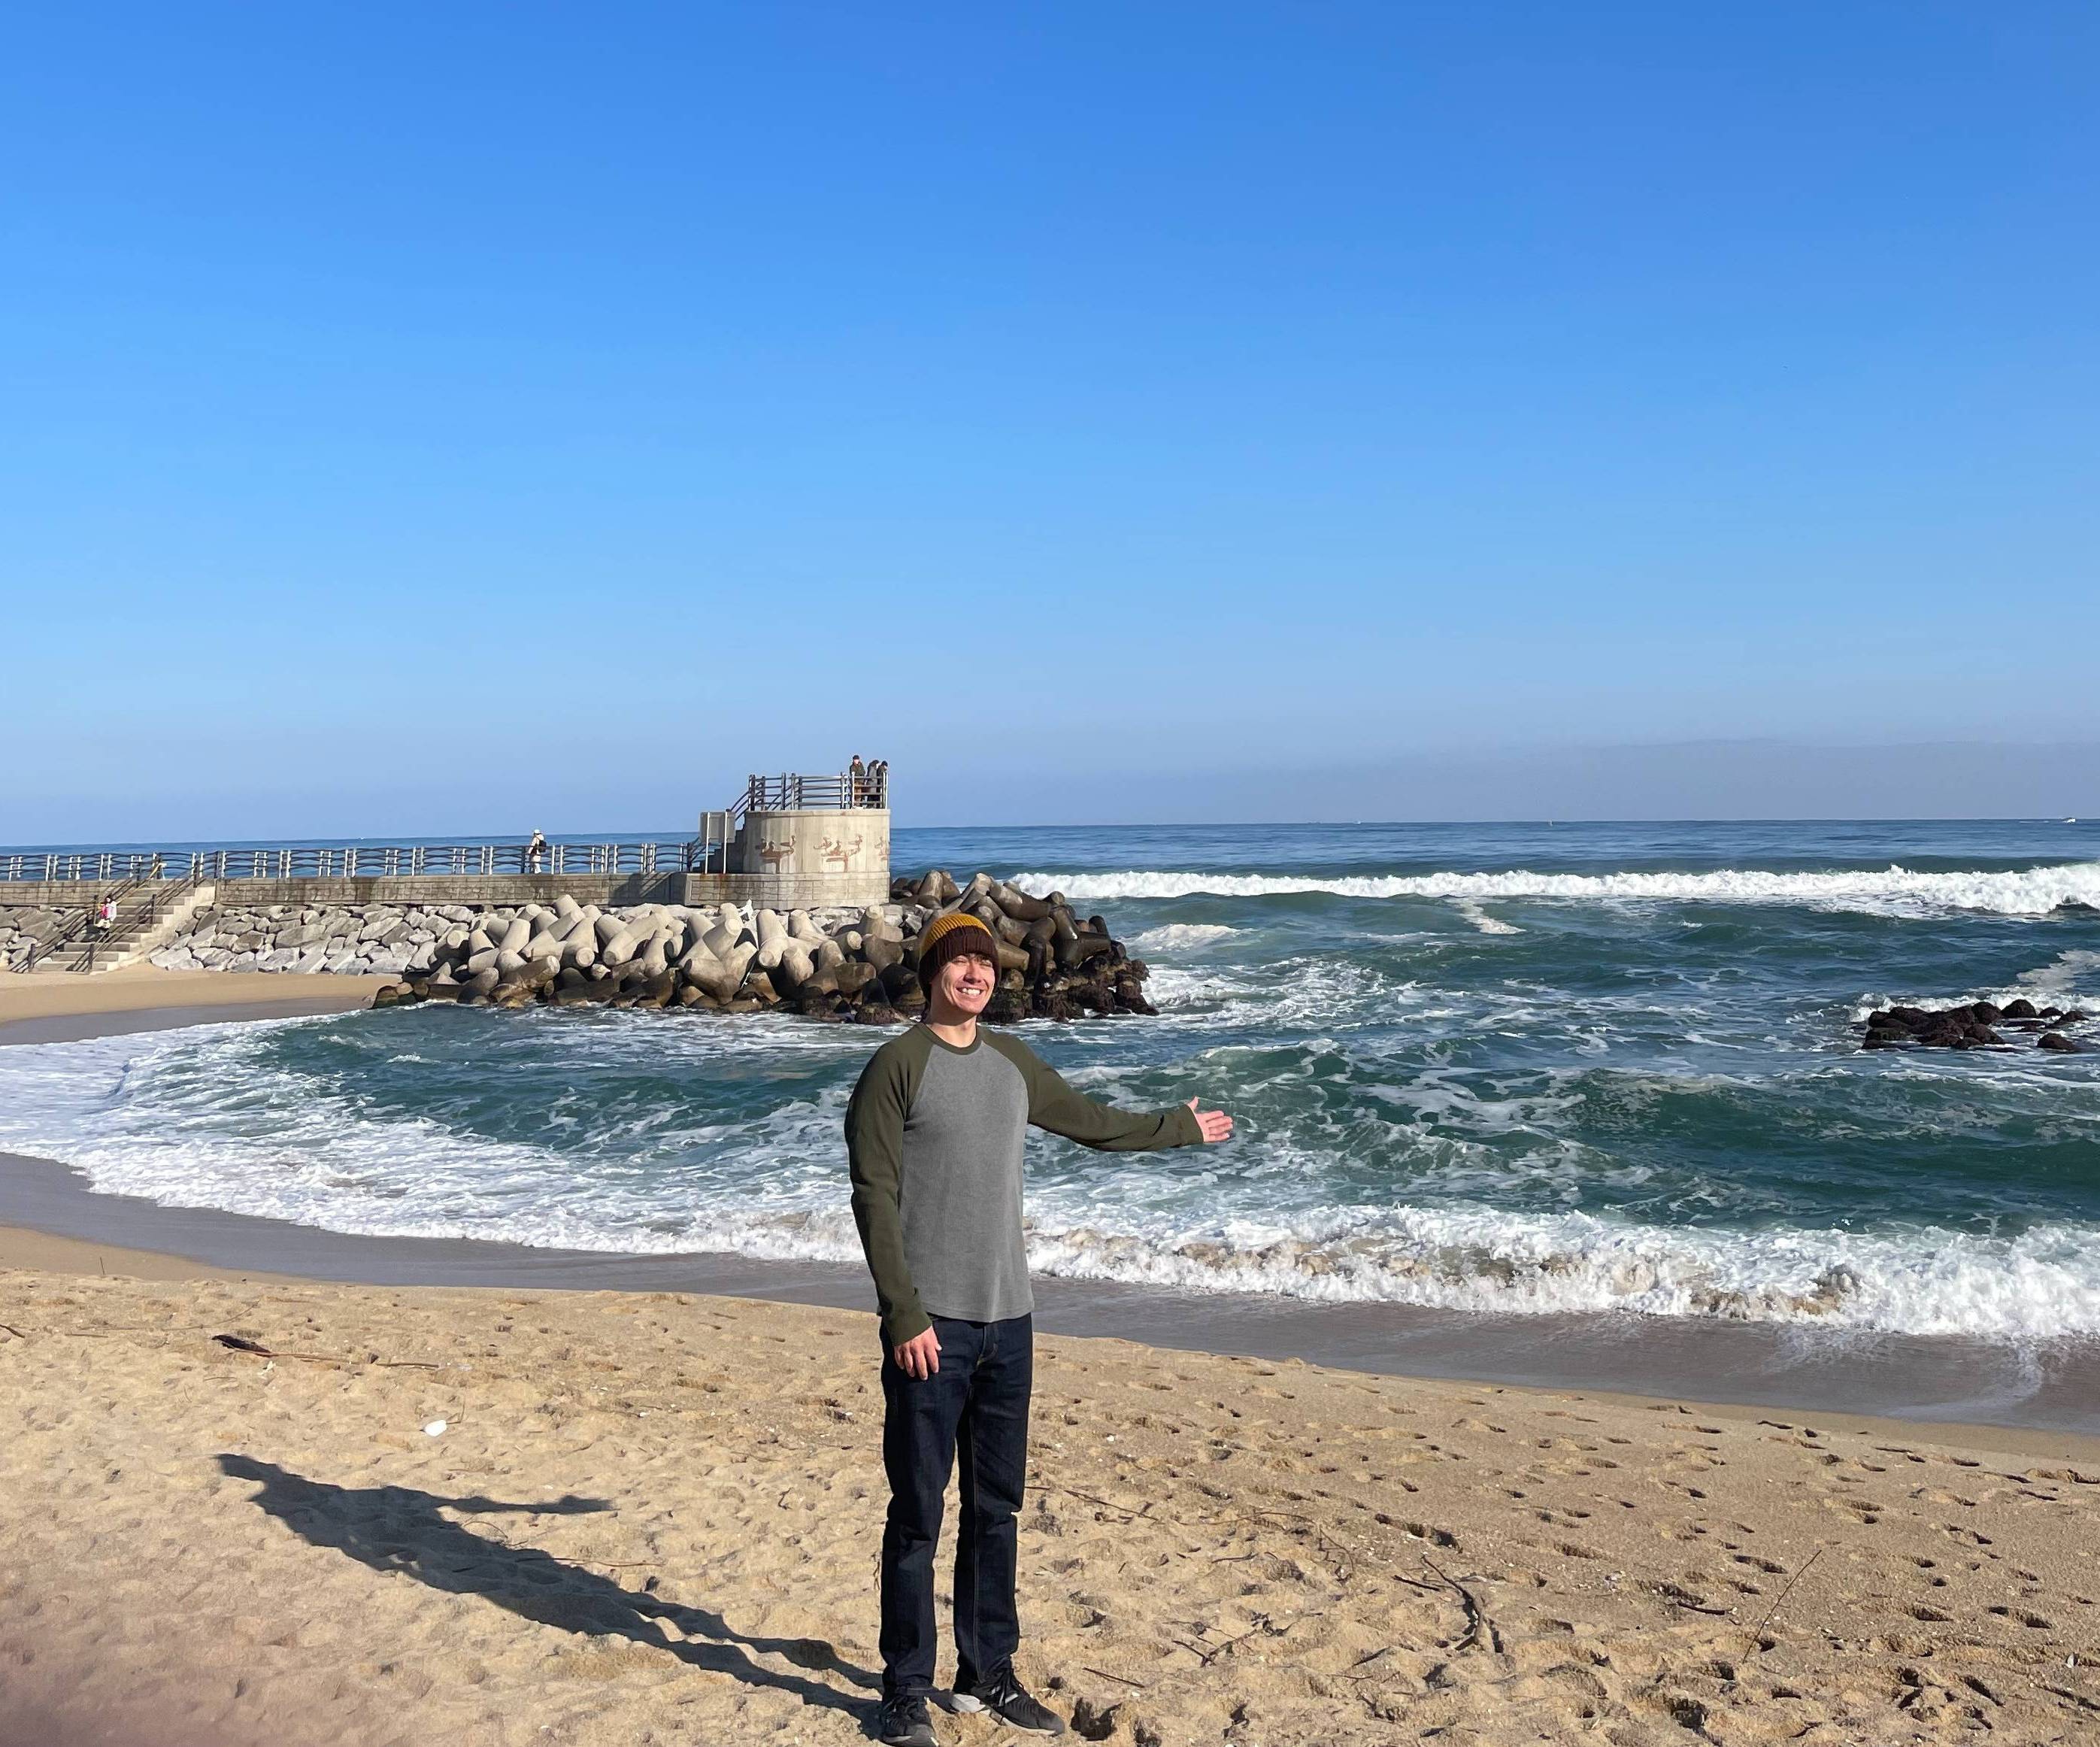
837	963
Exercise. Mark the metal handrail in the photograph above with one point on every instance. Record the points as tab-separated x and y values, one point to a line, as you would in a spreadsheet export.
146	911
706	852
83	930
360	861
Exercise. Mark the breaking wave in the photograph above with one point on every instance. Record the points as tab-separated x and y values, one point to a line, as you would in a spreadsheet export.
2033	892
1182	937
2043	1284
1470	909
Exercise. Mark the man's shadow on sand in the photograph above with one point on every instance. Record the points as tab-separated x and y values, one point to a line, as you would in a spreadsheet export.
398	1528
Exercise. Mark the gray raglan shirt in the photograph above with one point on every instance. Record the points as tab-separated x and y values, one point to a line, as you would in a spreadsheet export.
934	1136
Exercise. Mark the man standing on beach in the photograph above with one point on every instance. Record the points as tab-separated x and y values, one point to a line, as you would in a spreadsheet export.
935	1134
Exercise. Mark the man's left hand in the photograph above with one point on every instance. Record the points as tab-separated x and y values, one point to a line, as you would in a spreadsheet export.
1216	1124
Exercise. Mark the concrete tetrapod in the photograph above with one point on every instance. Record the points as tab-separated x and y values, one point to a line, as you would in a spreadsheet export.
831	963
772	936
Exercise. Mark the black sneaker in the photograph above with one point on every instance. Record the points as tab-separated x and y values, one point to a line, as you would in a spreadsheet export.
904	1723
1008	1701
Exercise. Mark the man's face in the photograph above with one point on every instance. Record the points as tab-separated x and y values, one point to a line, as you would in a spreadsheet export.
967	982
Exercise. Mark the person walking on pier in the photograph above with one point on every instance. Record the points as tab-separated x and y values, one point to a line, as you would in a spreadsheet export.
536	851
934	1138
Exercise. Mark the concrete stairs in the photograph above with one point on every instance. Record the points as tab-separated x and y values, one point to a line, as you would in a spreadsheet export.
156	921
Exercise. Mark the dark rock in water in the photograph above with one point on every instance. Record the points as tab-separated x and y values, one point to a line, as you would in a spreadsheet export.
2057	1041
1005	1007
1095	997
874	1013
1967	1027
2074	1017
2051	1012
392	995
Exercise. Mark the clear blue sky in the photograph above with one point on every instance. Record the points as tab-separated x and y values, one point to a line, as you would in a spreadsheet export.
435	418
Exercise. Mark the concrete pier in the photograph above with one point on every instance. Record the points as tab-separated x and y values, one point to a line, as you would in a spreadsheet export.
793	841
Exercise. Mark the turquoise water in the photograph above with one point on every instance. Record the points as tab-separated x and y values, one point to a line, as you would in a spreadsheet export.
1496	1067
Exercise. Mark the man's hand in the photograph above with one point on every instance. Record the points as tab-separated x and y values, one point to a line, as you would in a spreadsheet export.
1216	1124
920	1356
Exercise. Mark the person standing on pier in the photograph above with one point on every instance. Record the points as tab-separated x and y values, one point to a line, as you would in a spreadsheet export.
856	780
934	1138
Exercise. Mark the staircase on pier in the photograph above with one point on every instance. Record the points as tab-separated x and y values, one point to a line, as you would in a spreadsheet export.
149	914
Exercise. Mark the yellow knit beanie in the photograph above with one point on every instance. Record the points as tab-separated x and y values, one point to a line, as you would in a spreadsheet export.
950	936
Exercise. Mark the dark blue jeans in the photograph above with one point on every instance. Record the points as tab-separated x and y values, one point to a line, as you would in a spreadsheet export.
977	1404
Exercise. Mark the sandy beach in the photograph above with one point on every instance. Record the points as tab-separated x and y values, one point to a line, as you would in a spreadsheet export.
52	1006
496	1517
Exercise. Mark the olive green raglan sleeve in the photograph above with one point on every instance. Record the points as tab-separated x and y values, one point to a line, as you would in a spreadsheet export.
875	1154
1054	1105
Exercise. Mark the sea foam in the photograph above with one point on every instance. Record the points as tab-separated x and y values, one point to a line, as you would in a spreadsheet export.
1893	890
1182	937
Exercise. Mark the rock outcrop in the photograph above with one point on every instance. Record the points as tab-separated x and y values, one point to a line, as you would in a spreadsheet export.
835	964
1979	1025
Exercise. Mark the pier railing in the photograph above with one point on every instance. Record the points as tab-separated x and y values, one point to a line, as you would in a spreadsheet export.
353	862
793	792
706	852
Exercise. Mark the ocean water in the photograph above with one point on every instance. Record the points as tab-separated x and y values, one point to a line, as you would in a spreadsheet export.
1508	1069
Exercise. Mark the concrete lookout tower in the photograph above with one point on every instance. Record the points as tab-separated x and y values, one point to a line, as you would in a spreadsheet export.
795	841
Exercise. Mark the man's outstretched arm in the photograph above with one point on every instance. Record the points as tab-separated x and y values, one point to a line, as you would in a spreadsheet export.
1054	1105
